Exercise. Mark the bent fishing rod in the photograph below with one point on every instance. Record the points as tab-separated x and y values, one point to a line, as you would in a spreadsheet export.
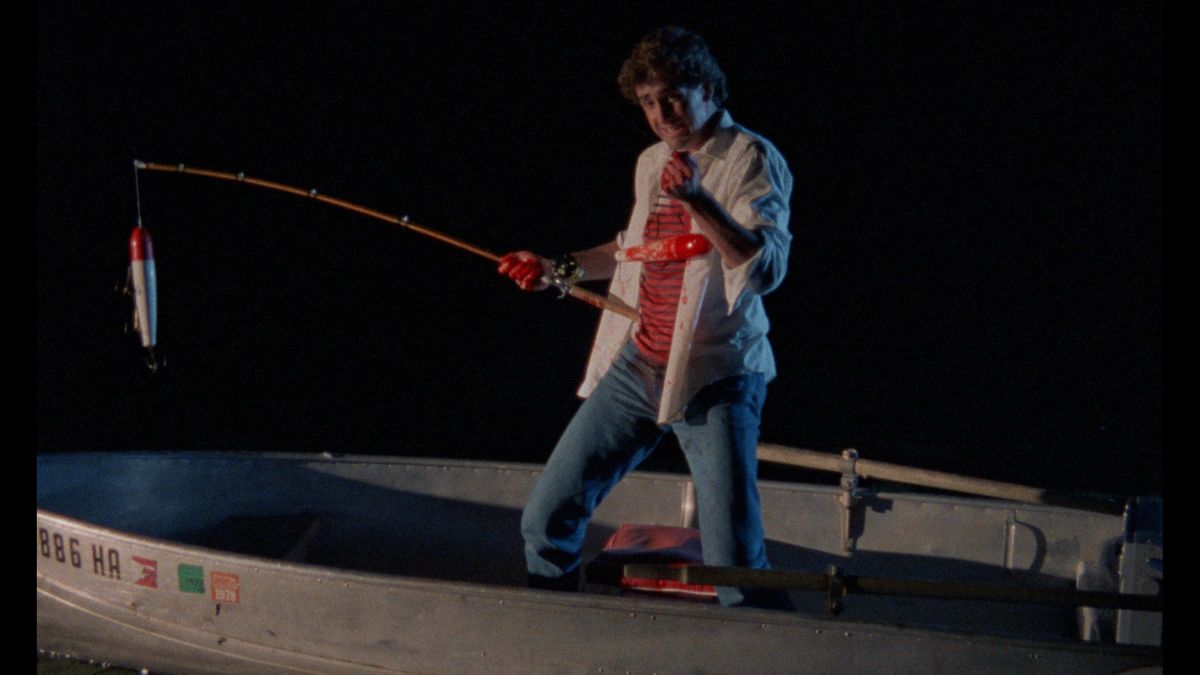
565	287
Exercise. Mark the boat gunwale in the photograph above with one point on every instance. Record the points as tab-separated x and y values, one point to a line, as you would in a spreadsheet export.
908	494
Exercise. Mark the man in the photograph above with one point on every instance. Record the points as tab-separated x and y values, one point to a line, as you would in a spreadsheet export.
697	360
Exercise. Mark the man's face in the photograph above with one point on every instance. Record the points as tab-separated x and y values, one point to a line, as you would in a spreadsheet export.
676	113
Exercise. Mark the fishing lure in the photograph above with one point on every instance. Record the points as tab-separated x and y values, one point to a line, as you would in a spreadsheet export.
141	283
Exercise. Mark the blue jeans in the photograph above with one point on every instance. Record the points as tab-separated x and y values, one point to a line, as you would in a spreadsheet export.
613	431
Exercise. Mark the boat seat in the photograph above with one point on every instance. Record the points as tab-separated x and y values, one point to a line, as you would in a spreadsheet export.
648	544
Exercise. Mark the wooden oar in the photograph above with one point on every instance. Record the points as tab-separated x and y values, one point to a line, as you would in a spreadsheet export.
809	459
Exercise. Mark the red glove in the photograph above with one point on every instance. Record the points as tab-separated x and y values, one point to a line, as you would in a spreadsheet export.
526	269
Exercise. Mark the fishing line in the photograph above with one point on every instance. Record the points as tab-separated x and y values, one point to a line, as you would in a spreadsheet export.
137	192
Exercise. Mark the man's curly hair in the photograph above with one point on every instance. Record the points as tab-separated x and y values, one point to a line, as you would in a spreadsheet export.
675	55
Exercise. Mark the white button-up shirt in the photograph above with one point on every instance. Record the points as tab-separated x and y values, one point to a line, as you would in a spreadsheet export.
721	327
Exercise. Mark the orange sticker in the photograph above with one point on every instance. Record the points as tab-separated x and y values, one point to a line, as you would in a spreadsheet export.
226	587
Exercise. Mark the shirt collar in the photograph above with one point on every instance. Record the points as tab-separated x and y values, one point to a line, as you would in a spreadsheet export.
718	144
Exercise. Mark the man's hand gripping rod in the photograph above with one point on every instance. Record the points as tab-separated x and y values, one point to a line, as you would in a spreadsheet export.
593	299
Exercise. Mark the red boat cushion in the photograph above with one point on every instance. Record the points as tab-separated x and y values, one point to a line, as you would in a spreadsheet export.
657	544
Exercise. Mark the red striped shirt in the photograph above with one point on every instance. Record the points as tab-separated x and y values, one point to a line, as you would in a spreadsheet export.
661	282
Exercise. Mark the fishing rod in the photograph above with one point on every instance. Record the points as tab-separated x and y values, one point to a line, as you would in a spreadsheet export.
565	288
140	282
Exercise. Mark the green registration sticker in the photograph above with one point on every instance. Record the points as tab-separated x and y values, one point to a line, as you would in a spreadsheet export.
191	578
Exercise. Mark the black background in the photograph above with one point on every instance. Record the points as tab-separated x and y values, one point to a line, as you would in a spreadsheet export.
977	275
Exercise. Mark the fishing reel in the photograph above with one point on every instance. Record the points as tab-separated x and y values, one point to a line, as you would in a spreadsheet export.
564	272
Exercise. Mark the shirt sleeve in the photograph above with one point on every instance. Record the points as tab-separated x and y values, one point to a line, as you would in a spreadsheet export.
760	202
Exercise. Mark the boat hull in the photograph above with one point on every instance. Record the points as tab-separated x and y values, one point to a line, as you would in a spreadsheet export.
172	601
